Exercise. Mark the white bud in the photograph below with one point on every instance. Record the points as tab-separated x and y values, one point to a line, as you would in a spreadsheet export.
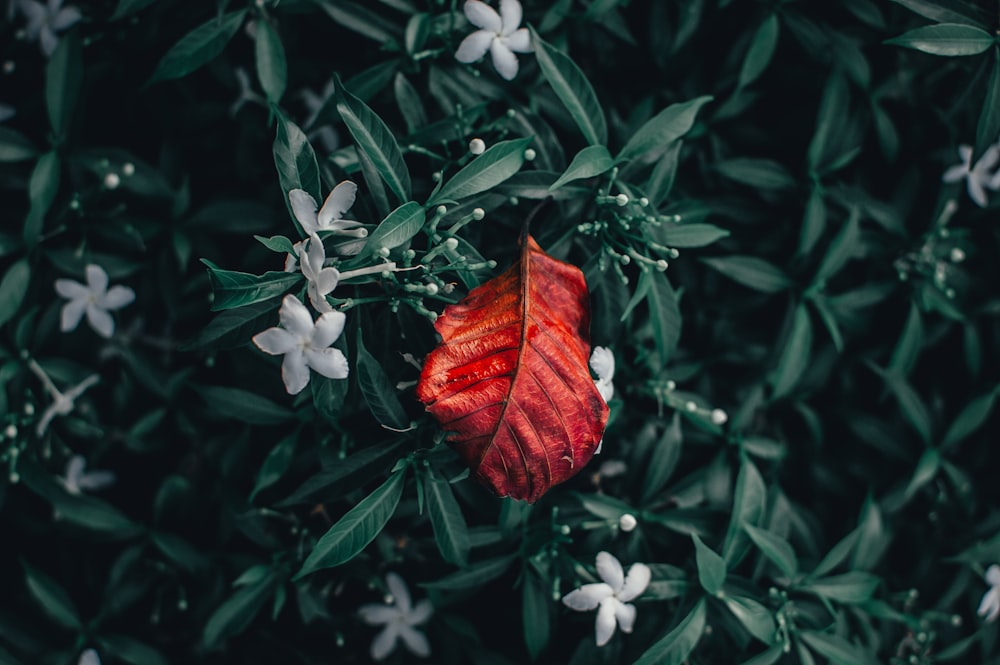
957	255
477	146
621	200
451	243
111	180
530	154
29	409
431	289
128	168
9	67
627	522
383	252
691	406
441	210
671	385
719	417
478	214
10	432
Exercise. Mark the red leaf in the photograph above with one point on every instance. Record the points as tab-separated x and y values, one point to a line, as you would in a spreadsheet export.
509	380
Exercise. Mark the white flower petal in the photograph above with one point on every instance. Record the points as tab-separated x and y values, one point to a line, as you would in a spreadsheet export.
420	614
989	606
89	657
483	16
116	298
415	641
74	470
100	321
955	173
81	388
313	258
625	615
988	160
606	388
976	191
294	372
602	361
275	341
319	302
304	209
36	14
504	60
385	641
67	288
295	317
474	46
519	41
43	424
331	363
992	575
328	328
72	312
587	597
604	625
377	613
635	582
400	594
965	153
97	279
610	570
337	203
66	18
96	480
510	16
48	41
326	280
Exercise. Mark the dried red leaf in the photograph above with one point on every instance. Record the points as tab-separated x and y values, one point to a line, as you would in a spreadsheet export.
509	380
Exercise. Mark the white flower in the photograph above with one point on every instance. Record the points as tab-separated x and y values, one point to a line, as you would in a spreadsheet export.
63	403
321	281
327	218
989	606
45	20
499	34
611	596
304	344
96	299
978	177
78	479
89	657
399	619
602	361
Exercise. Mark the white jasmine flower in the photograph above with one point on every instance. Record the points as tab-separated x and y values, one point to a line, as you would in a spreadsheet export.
989	606
602	361
498	33
78	479
328	218
89	657
45	20
304	344
96	299
246	93
978	177
321	281
63	403
611	596
399	618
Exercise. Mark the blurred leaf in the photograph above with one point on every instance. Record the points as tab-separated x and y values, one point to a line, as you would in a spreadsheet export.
950	11
63	81
761	173
927	468
663	460
665	127
683	236
775	548
235	289
450	530
758	56
328	394
711	567
751	271
375	139
850	588
476	575
349	474
827	140
911	340
275	464
52	598
675	647
233	327
971	418
198	47
843	246
836	649
13	288
15	146
769	657
411	107
873	537
948	39
279	244
573	89
396	229
661	180
795	355
181	552
499	162
378	390
345	539
131	650
664	313
128	7
756	618
243	405
749	503
272	69
42	188
535	603
988	126
909	402
236	613
589	162
359	18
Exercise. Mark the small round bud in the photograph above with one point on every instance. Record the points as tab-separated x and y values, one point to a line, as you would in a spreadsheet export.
9	67
949	293
671	385
719	417
511	113
662	265
436	176
621	200
478	214
111	180
565	530
512	200
74	204
957	255
14	478
431	289
627	522
383	252
451	243
409	255
441	210
182	604
477	146
29	409
128	168
10	432
643	202
491	264
530	154
691	406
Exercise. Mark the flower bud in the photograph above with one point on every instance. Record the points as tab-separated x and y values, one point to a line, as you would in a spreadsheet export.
530	154
477	146
719	417
128	168
111	180
627	522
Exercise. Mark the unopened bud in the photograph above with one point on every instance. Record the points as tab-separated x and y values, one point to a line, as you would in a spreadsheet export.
627	522
957	255
478	214
451	243
621	200
111	180
530	154
11	431
128	168
719	417
477	146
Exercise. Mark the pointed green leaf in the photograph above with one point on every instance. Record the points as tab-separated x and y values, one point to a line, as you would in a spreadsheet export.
661	180
235	289
275	464
755	617
42	188
664	313
913	408
63	80
233	327
795	355
836	649
15	146
947	39
450	531
396	229
775	548
988	126
347	475
272	68
296	163
589	162
683	236
950	11
756	172
573	89
378	390
749	503
675	647
663	460
751	271
841	249
665	127
13	288
131	650
234	615
758	56
243	405
52	598
357	528
911	341
927	468
497	164
711	567
198	47
535	609
968	421
850	588
475	575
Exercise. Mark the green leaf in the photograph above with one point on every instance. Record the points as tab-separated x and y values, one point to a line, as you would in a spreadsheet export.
347	475
15	146
775	548
968	421
711	567
948	39
13	288
661	180
589	162
675	647
296	163
181	552
128	7
410	105
272	69
950	11
359	18
52	598
378	390
758	56
751	271
236	289
833	111
755	617
665	127
42	188
63	81
927	468
662	461
535	611
233	327
749	503
131	650
234	615
198	47
909	402
843	246
850	588
873	537
769	657
836	649
988	126
396	229
475	575
683	236
450	531
822	306
356	529
243	405
573	89
813	221
756	172
279	244
328	394
497	164
275	464
795	355
376	140
911	341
